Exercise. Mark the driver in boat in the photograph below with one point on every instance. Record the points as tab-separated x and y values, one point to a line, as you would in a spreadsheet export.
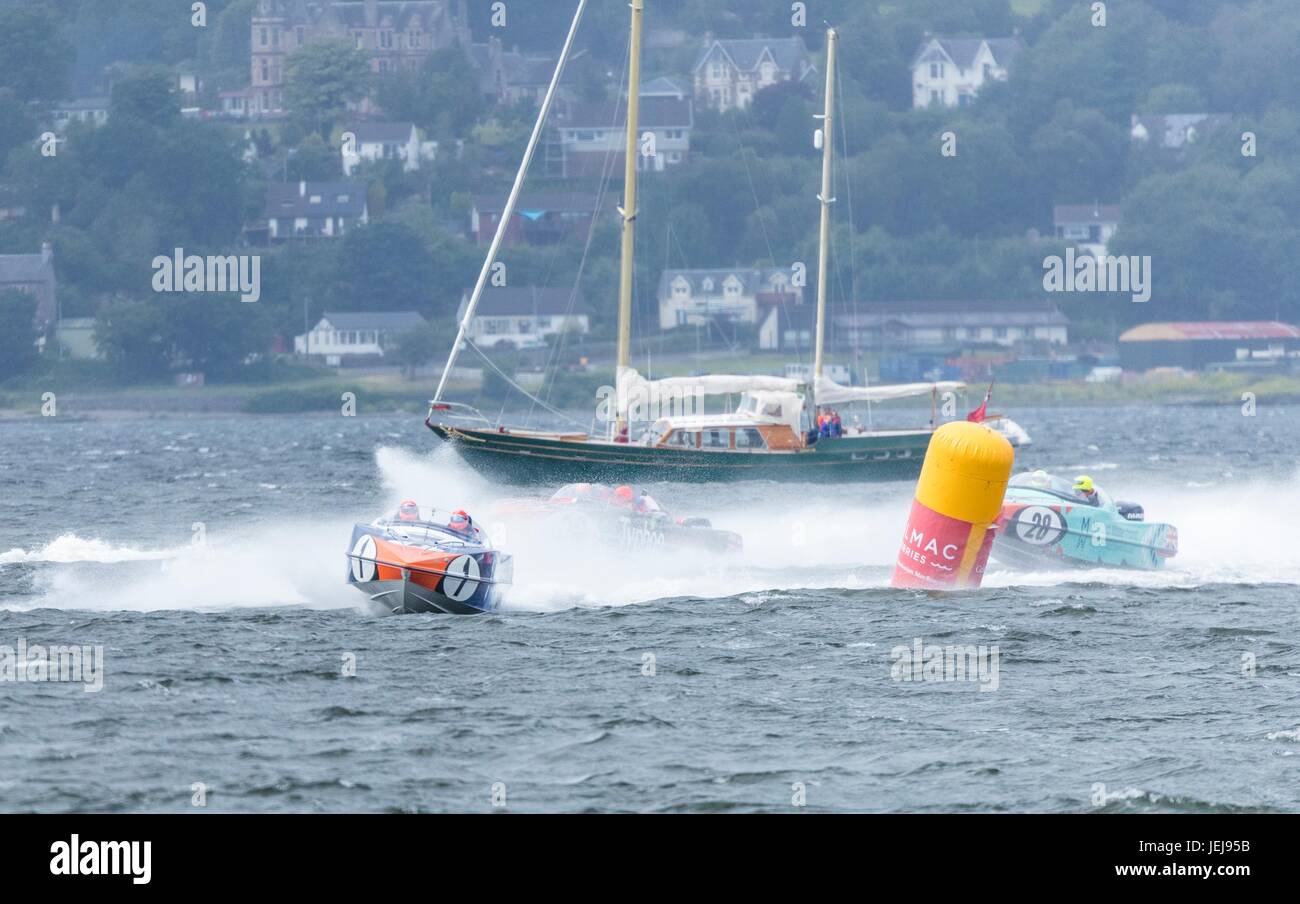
645	503
409	510
1085	489
1040	479
461	522
625	495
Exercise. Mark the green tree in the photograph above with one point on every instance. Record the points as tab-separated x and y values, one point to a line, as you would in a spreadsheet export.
215	334
418	346
35	57
145	93
321	78
17	332
385	266
132	335
16	123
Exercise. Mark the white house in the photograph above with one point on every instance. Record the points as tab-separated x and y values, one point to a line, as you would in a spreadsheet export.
909	325
1088	227
951	71
355	336
592	136
386	141
1174	131
728	74
314	209
74	337
93	110
740	295
525	317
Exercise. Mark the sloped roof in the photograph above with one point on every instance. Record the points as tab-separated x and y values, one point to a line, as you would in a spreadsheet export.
753	279
663	86
530	300
655	113
1085	213
963	51
397	12
954	313
337	199
374	320
550	202
790	54
1181	331
26	270
368	132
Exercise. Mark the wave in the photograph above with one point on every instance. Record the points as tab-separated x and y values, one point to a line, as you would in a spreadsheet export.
70	548
796	538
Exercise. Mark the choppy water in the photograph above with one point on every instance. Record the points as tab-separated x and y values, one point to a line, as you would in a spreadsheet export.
641	685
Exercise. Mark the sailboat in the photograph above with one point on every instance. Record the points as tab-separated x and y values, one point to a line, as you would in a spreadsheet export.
772	433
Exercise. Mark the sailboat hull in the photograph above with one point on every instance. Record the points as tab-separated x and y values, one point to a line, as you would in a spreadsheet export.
525	458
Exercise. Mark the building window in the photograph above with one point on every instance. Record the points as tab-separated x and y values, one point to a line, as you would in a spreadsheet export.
717	71
300	35
356	36
386	40
264	37
936	70
935	97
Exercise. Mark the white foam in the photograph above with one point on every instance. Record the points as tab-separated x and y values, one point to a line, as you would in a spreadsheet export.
795	538
69	548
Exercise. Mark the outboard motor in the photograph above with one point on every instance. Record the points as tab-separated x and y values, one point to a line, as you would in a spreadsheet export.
1130	511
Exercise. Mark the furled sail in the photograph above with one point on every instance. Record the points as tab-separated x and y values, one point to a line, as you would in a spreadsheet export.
630	382
831	393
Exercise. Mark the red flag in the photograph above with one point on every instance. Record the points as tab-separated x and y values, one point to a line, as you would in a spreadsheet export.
977	416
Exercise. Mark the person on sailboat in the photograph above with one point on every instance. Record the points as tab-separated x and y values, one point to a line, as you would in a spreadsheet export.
837	426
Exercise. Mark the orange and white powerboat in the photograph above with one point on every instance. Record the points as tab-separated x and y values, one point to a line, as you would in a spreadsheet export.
426	560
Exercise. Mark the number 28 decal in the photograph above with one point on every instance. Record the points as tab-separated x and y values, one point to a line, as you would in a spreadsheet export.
1039	525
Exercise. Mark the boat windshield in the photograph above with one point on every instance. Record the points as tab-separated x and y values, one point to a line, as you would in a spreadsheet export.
433	526
573	492
1057	486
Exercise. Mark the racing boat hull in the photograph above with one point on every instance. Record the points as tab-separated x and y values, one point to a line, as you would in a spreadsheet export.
403	578
1041	530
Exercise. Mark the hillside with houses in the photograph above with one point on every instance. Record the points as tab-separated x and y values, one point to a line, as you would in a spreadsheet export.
362	151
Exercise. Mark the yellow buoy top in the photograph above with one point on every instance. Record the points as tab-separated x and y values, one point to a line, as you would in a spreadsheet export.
966	471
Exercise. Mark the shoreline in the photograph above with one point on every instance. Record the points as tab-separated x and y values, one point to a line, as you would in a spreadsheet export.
385	395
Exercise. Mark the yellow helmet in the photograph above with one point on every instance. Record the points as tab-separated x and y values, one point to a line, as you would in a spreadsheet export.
1084	482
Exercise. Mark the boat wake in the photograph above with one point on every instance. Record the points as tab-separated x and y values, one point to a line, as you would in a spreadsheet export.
796	538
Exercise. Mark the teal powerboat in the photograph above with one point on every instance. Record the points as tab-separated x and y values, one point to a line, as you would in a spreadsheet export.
1048	522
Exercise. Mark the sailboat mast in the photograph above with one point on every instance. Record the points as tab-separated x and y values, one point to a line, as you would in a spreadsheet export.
628	211
828	155
508	212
